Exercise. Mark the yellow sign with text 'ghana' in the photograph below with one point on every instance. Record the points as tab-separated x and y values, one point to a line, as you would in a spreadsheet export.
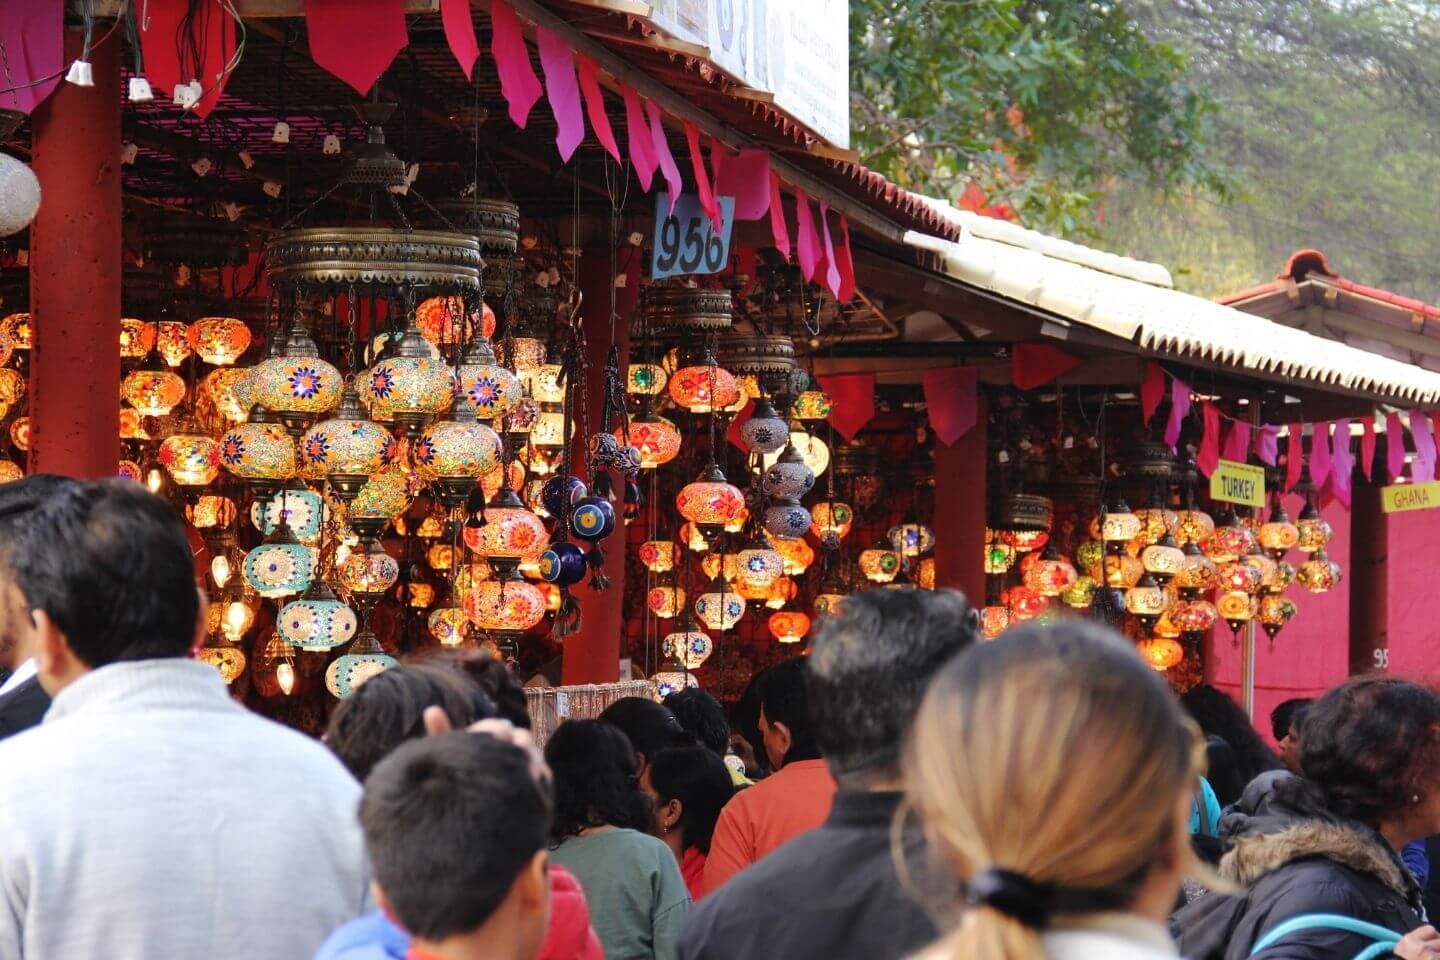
1238	483
1410	496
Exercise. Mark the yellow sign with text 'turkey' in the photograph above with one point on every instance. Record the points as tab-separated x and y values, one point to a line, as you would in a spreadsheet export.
1410	496
1238	483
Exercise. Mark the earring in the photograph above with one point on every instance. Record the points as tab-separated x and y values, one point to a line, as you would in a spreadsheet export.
1415	798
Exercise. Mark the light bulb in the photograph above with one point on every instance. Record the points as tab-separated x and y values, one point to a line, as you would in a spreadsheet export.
285	676
220	570
235	616
154	480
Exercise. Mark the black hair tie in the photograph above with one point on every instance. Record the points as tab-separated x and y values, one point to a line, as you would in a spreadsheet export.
1013	894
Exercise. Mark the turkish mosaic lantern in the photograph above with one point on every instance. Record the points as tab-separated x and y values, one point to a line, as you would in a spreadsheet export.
280	567
298	385
994	620
411	385
510	531
1313	531
828	602
1278	536
1230	541
710	502
488	387
1193	617
759	565
766	431
1319	573
444	321
1051	574
658	556
1236	608
1163	559
454	452
1156	522
383	498
137	338
19	328
347	448
153	393
447	625
1080	594
301	510
365	659
665	601
191	458
657	439
369	573
690	646
786	519
1161	653
719	608
1146	601
833	516
173	342
9	472
317	621
789	478
812	405
220	391
789	626
1195	526
219	341
879	564
508	605
911	539
645	379
703	387
814	453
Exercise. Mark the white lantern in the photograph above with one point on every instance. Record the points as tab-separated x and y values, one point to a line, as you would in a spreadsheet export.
19	195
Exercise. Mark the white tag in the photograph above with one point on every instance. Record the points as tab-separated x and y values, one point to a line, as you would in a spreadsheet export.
271	188
281	133
1004	456
128	152
636	239
411	173
621	281
246	160
232	209
201	166
562	704
182	276
554	276
332	145
542	280
1069	443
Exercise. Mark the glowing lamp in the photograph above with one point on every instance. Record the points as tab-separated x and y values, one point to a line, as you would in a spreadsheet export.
545	385
369	573
219	395
766	431
1146	601
1197	572
789	626
1193	616
831	517
759	565
347	448
1123	571
1161	653
490	483
786	518
1318	574
365	659
1051	574
1119	524
911	539
382	499
19	328
671	677
1275	612
191	459
131	427
227	659
505	605
419	595
20	434
219	341
788	477
1025	541
1080	594
153	393
510	531
999	555
454	452
303	512
781	592
317	621
812	405
658	556
1156	522
703	387
137	338
710	501
410	386
1278	536
657	439
645	379
665	601
717	565
828	603
489	387
279	568
173	342
447	625
797	555
445	322
522	354
1313	531
210	511
1195	526
1230	541
690	646
1235	608
994	620
879	564
719	608
1163	559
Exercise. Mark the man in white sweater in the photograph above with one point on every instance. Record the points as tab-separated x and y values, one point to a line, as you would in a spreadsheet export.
149	817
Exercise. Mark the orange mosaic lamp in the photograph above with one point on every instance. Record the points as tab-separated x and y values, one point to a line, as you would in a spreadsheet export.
219	341
789	626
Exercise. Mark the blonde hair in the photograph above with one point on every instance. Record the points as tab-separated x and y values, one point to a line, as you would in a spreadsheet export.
1054	754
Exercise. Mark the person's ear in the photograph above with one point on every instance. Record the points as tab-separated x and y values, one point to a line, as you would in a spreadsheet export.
671	813
383	902
783	739
55	662
534	882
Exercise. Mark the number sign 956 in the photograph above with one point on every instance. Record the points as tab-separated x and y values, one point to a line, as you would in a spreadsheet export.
685	241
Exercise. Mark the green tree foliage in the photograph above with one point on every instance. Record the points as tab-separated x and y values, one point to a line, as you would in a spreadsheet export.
1325	120
1036	101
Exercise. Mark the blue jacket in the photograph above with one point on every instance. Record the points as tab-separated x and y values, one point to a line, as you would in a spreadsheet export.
371	937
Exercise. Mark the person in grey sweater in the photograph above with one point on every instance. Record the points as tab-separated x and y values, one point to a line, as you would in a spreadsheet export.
149	815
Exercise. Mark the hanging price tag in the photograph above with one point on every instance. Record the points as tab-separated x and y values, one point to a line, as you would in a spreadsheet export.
685	241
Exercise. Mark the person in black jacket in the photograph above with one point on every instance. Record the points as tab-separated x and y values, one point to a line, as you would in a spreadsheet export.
1329	842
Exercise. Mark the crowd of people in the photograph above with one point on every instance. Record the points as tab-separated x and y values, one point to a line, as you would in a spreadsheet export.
902	791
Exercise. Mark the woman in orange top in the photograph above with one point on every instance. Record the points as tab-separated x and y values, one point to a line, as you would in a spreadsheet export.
689	785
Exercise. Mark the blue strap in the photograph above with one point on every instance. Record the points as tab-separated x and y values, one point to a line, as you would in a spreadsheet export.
1385	939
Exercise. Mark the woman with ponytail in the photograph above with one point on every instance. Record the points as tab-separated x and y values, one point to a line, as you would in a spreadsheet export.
1052	772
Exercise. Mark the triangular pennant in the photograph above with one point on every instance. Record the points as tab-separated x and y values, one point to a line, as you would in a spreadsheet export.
779	232
1237	442
1423	469
832	269
518	83
853	399
1367	448
1179	410
595	105
1342	463
951	401
807	241
1320	454
637	138
1294	456
1267	445
660	144
563	91
1207	458
744	176
460	34
845	261
1394	447
1152	391
702	176
1036	364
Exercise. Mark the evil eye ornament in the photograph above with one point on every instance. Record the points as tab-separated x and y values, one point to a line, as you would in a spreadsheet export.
592	518
552	495
563	564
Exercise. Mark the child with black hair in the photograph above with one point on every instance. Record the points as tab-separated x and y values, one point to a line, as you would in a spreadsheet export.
456	827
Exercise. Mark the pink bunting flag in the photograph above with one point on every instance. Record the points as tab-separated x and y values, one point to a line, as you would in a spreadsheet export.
460	34
744	176
1367	447
845	262
1179	410
1152	391
1237	442
1207	458
637	136
853	396
518	83
563	90
1423	469
355	39
1394	447
1267	445
660	144
951	401
1342	464
807	244
832	269
1320	455
778	230
595	105
33	34
708	203
1294	456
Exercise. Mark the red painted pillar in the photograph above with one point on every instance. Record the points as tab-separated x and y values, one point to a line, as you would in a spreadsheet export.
593	654
75	273
959	521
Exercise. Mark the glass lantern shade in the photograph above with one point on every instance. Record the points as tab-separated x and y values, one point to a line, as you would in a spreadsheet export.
658	556
765	431
1228	543
645	379
549	429
173	341
440	557
219	341
1198	572
419	595
1161	653
509	533
10	472
813	452
1195	526
759	566
710	502
1051	575
1313	533
505	605
235	618
672	677
1123	571
718	565
786	519
1283	577
1163	559
911	539
345	447
879	565
1155	522
781	592
364	660
797	555
657	439
316	625
493	390
1080	594
522	354
1122	525
229	661
925	574
999	555
1193	616
455	448
276	570
385	495
1275	612
545	385
469	575
831	516
690	647
789	626
1146	600
210	511
131	427
490	482
1319	573
443	321
127	470
665	601
407	386
1235	607
137	338
302	510
702	388
1025	541
191	459
12	387
299	385
20	434
828	603
692	538
153	393
994	620
719	609
812	405
20	329
789	477
447	625
1278	536
369	574
220	389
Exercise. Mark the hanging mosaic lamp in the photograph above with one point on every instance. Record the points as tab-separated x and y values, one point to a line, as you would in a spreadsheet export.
522	354
20	434
994	620
789	626
447	625
658	556
719	607
703	386
911	539
1314	531
645	379
1155	523
789	477
834	517
786	519
1194	617
813	452
281	566
509	534
1119	524
411	384
19	328
348	448
657	439
190	457
665	601
671	677
710	502
1230	541
1163	559
1319	573
1195	526
454	452
766	431
758	565
12	388
1051	574
879	564
488	387
812	405
796	554
1146	601
151	391
780	593
137	338
1161	653
1080	594
300	510
1275	612
365	659
219	341
444	321
1278	536
419	595
173	341
505	605
1197	572
384	498
1235	608
228	659
317	621
1024	603
688	644
369	573
298	384
220	390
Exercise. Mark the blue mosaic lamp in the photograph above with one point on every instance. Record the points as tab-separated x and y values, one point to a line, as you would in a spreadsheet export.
365	659
282	566
317	621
